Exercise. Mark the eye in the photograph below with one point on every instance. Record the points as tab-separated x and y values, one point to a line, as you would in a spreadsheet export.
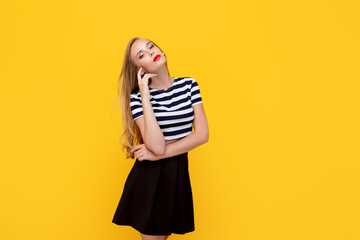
151	46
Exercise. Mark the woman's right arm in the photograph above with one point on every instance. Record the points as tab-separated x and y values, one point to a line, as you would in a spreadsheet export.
150	129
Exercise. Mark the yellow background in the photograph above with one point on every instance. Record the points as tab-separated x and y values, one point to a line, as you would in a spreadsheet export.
280	87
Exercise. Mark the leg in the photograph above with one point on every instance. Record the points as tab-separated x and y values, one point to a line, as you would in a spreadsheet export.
151	237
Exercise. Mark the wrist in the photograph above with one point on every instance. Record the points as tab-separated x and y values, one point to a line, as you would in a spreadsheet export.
145	92
145	98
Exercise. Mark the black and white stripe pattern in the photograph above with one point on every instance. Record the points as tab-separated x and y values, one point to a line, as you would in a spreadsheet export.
172	107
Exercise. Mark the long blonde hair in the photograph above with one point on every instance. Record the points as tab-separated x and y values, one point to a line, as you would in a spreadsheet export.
129	84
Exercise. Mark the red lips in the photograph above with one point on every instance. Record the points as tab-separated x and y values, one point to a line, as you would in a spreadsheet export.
157	57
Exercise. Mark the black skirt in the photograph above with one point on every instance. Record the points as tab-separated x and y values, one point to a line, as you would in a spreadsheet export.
157	197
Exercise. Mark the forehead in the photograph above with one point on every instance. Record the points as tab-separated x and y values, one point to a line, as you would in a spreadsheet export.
138	45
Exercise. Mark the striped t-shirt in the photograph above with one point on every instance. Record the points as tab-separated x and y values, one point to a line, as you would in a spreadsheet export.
172	107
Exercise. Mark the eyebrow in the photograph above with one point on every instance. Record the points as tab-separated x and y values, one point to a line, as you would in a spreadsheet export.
141	50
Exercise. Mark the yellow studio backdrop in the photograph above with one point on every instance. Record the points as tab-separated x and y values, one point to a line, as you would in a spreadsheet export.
280	87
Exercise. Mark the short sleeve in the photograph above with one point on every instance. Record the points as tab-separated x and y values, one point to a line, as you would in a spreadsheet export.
195	93
136	106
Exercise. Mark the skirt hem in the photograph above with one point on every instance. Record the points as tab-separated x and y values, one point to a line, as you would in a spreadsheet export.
154	234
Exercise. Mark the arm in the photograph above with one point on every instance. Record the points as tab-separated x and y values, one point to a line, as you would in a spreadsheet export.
150	129
194	139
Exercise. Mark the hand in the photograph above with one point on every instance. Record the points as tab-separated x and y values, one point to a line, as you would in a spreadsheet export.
143	81
143	153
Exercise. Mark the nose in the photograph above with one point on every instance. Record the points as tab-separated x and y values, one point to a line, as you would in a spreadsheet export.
151	53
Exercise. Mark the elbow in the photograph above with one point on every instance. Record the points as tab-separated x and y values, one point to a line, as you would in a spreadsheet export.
204	137
159	150
157	147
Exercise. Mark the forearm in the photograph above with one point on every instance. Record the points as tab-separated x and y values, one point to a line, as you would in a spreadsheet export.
154	138
183	145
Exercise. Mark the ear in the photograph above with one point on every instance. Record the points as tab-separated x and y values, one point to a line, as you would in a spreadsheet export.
138	68
144	70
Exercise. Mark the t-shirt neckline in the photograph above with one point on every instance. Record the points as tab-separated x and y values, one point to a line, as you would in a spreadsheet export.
162	90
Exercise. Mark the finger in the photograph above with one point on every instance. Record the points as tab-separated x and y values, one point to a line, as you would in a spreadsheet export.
139	72
138	152
135	148
150	74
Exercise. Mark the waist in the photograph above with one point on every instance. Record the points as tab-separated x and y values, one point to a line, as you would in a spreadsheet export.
181	155
171	141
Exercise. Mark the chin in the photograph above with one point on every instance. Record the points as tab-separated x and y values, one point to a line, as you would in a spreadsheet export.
163	61
159	63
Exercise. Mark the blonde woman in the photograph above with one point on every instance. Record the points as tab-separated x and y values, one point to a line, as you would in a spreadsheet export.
158	113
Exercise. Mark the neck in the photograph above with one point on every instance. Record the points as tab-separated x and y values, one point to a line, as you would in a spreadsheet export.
162	80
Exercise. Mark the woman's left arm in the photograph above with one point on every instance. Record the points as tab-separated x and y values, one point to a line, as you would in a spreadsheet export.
199	136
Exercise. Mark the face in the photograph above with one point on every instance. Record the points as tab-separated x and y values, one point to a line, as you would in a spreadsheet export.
143	52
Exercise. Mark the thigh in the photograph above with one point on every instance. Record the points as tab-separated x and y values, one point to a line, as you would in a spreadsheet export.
153	237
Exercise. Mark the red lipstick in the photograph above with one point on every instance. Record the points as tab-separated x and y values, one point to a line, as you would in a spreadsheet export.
157	57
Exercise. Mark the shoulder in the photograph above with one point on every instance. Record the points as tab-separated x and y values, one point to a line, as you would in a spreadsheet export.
190	79
135	91
186	80
135	95
191	82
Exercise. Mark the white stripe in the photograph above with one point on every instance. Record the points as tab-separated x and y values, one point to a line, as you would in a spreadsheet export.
138	117
171	129
193	89
165	94
196	103
193	97
135	104
175	121
137	110
173	109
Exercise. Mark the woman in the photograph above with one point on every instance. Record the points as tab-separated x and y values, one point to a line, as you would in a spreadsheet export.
158	113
